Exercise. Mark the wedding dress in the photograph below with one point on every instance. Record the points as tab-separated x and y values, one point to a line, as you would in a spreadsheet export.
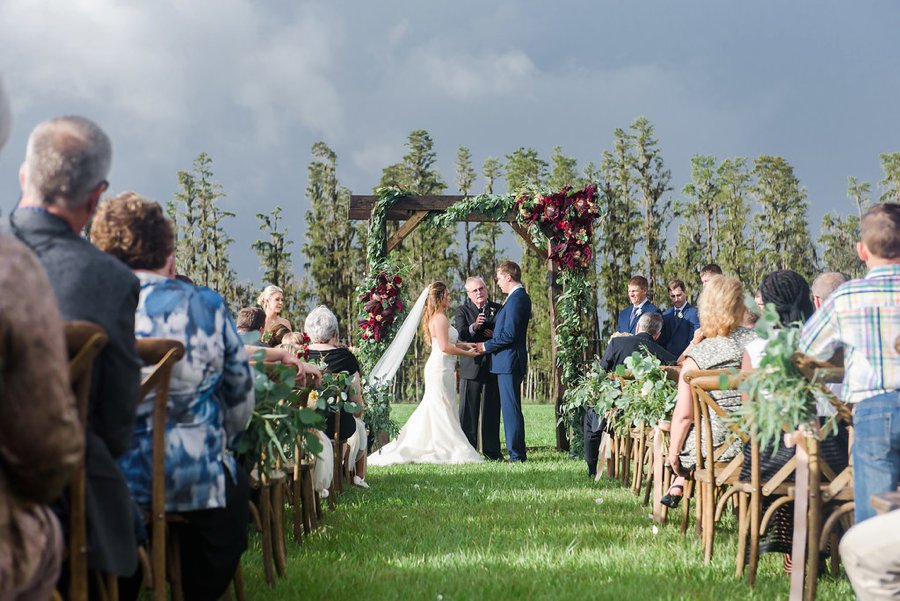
433	433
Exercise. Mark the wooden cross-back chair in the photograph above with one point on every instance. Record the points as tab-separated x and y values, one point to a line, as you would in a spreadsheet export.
642	449
303	493
658	478
711	473
161	355
84	341
269	515
780	488
818	488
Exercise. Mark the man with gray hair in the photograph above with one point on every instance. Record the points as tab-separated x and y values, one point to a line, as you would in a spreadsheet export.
824	285
479	395
648	329
41	440
62	179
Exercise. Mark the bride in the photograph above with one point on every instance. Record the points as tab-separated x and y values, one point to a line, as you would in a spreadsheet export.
432	434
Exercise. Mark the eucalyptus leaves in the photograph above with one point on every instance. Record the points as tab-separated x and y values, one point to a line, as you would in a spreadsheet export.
641	393
780	398
285	417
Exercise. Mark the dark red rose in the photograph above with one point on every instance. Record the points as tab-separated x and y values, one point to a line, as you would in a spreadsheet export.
397	280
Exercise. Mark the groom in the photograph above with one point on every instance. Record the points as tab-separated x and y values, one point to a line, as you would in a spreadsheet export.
510	359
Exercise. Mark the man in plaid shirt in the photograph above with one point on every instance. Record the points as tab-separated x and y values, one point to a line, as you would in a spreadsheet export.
863	318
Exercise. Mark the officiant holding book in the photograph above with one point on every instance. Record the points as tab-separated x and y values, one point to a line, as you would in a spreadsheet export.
479	396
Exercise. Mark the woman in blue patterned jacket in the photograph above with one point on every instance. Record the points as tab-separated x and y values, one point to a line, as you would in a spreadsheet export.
210	397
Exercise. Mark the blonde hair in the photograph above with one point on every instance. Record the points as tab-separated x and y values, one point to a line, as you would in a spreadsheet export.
292	338
266	293
437	292
294	349
721	306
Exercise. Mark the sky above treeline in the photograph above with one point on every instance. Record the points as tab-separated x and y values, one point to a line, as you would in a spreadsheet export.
255	84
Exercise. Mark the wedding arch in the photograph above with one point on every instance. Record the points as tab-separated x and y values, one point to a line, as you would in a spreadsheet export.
558	226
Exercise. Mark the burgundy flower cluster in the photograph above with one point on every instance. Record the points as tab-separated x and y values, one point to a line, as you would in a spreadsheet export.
304	354
567	219
382	306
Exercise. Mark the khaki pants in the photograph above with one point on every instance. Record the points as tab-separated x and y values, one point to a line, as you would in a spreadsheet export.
870	552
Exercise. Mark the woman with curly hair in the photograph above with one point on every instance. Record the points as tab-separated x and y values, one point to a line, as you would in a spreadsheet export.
210	397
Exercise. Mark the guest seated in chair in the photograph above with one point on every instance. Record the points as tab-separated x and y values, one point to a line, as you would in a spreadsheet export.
720	345
41	440
210	398
788	292
649	327
251	321
321	326
63	177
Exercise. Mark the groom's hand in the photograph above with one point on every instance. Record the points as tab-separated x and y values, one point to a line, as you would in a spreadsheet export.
489	333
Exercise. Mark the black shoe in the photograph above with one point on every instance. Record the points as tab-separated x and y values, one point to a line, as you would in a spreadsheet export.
672	501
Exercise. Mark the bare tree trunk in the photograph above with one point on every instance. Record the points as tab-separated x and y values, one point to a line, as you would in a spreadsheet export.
555	290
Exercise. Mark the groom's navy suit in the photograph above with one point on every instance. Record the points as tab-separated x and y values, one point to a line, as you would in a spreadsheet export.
510	362
628	317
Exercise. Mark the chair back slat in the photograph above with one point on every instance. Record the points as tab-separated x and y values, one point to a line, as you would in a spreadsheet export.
84	341
162	355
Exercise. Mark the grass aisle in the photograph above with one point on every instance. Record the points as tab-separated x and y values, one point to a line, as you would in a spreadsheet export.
540	530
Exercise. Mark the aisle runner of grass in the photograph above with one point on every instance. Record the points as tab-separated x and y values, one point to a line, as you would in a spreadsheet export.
540	530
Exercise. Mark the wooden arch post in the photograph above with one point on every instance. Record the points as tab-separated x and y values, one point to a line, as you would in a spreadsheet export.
412	210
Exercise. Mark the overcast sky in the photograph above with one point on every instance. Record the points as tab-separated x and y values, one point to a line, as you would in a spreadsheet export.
255	84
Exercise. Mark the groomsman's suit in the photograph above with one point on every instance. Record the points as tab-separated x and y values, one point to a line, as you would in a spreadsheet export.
628	317
679	326
510	362
476	382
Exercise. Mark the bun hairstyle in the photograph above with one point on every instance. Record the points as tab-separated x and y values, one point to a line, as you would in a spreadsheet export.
789	292
437	292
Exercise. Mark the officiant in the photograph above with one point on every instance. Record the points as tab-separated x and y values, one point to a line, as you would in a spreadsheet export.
479	396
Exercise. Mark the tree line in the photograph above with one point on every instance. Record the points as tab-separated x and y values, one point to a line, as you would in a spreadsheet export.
748	215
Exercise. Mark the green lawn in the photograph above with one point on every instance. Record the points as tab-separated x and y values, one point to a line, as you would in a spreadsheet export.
539	530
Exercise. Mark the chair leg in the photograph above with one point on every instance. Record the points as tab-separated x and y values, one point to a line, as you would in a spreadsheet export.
265	510
173	569
686	502
308	498
743	524
709	515
755	523
239	592
297	505
278	544
318	506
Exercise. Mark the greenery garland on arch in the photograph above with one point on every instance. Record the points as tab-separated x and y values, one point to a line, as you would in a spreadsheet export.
564	219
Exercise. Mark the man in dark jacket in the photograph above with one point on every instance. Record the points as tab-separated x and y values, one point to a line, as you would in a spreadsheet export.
478	392
62	179
649	327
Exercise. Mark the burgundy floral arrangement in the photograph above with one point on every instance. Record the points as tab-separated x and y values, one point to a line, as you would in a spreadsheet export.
304	352
566	218
382	305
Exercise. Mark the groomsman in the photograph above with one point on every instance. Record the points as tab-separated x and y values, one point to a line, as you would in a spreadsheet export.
709	271
679	321
479	395
637	294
